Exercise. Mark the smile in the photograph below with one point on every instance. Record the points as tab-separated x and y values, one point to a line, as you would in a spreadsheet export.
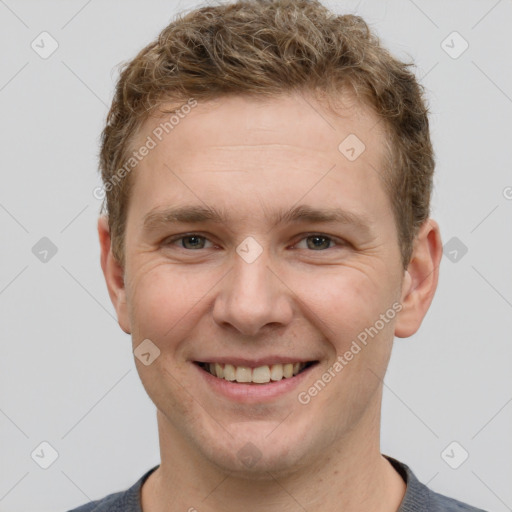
260	375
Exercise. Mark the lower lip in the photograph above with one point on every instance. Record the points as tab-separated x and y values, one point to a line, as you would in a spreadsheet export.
252	393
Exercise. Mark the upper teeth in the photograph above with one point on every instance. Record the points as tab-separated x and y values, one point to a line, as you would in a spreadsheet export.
260	375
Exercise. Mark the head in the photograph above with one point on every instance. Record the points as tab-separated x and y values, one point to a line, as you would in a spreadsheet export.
280	209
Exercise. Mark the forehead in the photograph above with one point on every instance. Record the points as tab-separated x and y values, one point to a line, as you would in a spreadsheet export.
279	146
293	119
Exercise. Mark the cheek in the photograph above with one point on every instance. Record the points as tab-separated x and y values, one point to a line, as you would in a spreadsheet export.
165	302
344	301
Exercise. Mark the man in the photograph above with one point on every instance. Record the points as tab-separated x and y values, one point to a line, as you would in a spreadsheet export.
268	170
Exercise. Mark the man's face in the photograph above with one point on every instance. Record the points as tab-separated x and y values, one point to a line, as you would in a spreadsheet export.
257	288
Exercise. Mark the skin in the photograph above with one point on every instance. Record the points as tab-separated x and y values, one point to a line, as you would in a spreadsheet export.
252	158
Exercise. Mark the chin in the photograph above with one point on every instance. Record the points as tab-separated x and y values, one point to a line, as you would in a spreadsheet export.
259	456
263	465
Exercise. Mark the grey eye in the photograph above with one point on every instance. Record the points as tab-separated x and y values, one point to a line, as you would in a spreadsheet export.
318	242
194	242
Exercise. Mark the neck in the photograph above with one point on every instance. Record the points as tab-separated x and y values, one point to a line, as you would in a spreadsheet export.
352	476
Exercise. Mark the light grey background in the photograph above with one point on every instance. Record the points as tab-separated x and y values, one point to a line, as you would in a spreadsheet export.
67	374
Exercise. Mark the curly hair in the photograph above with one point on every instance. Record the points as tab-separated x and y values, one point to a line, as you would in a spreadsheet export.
266	48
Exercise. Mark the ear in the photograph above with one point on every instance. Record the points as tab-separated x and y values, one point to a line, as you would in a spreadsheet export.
420	279
114	275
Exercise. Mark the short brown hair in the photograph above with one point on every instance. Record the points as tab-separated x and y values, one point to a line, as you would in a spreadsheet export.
268	47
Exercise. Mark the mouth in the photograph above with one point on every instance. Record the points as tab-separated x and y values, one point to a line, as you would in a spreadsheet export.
263	374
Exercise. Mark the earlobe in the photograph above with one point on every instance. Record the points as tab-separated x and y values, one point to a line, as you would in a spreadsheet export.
114	275
420	279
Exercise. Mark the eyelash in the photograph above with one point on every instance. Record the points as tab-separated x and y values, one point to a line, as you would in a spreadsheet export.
334	240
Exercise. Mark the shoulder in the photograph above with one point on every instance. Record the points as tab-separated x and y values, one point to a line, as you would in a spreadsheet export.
419	498
123	501
110	503
440	503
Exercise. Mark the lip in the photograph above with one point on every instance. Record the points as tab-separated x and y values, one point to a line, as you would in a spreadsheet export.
252	393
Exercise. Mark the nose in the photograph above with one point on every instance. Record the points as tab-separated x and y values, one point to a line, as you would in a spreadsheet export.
252	297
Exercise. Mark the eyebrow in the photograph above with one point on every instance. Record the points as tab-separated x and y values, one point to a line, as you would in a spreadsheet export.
302	213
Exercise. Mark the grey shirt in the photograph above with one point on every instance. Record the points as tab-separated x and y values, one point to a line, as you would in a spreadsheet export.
418	497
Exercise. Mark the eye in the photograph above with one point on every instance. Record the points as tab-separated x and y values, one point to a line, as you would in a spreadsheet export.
191	241
317	242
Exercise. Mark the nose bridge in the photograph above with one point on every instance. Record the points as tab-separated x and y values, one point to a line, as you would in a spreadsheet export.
252	296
